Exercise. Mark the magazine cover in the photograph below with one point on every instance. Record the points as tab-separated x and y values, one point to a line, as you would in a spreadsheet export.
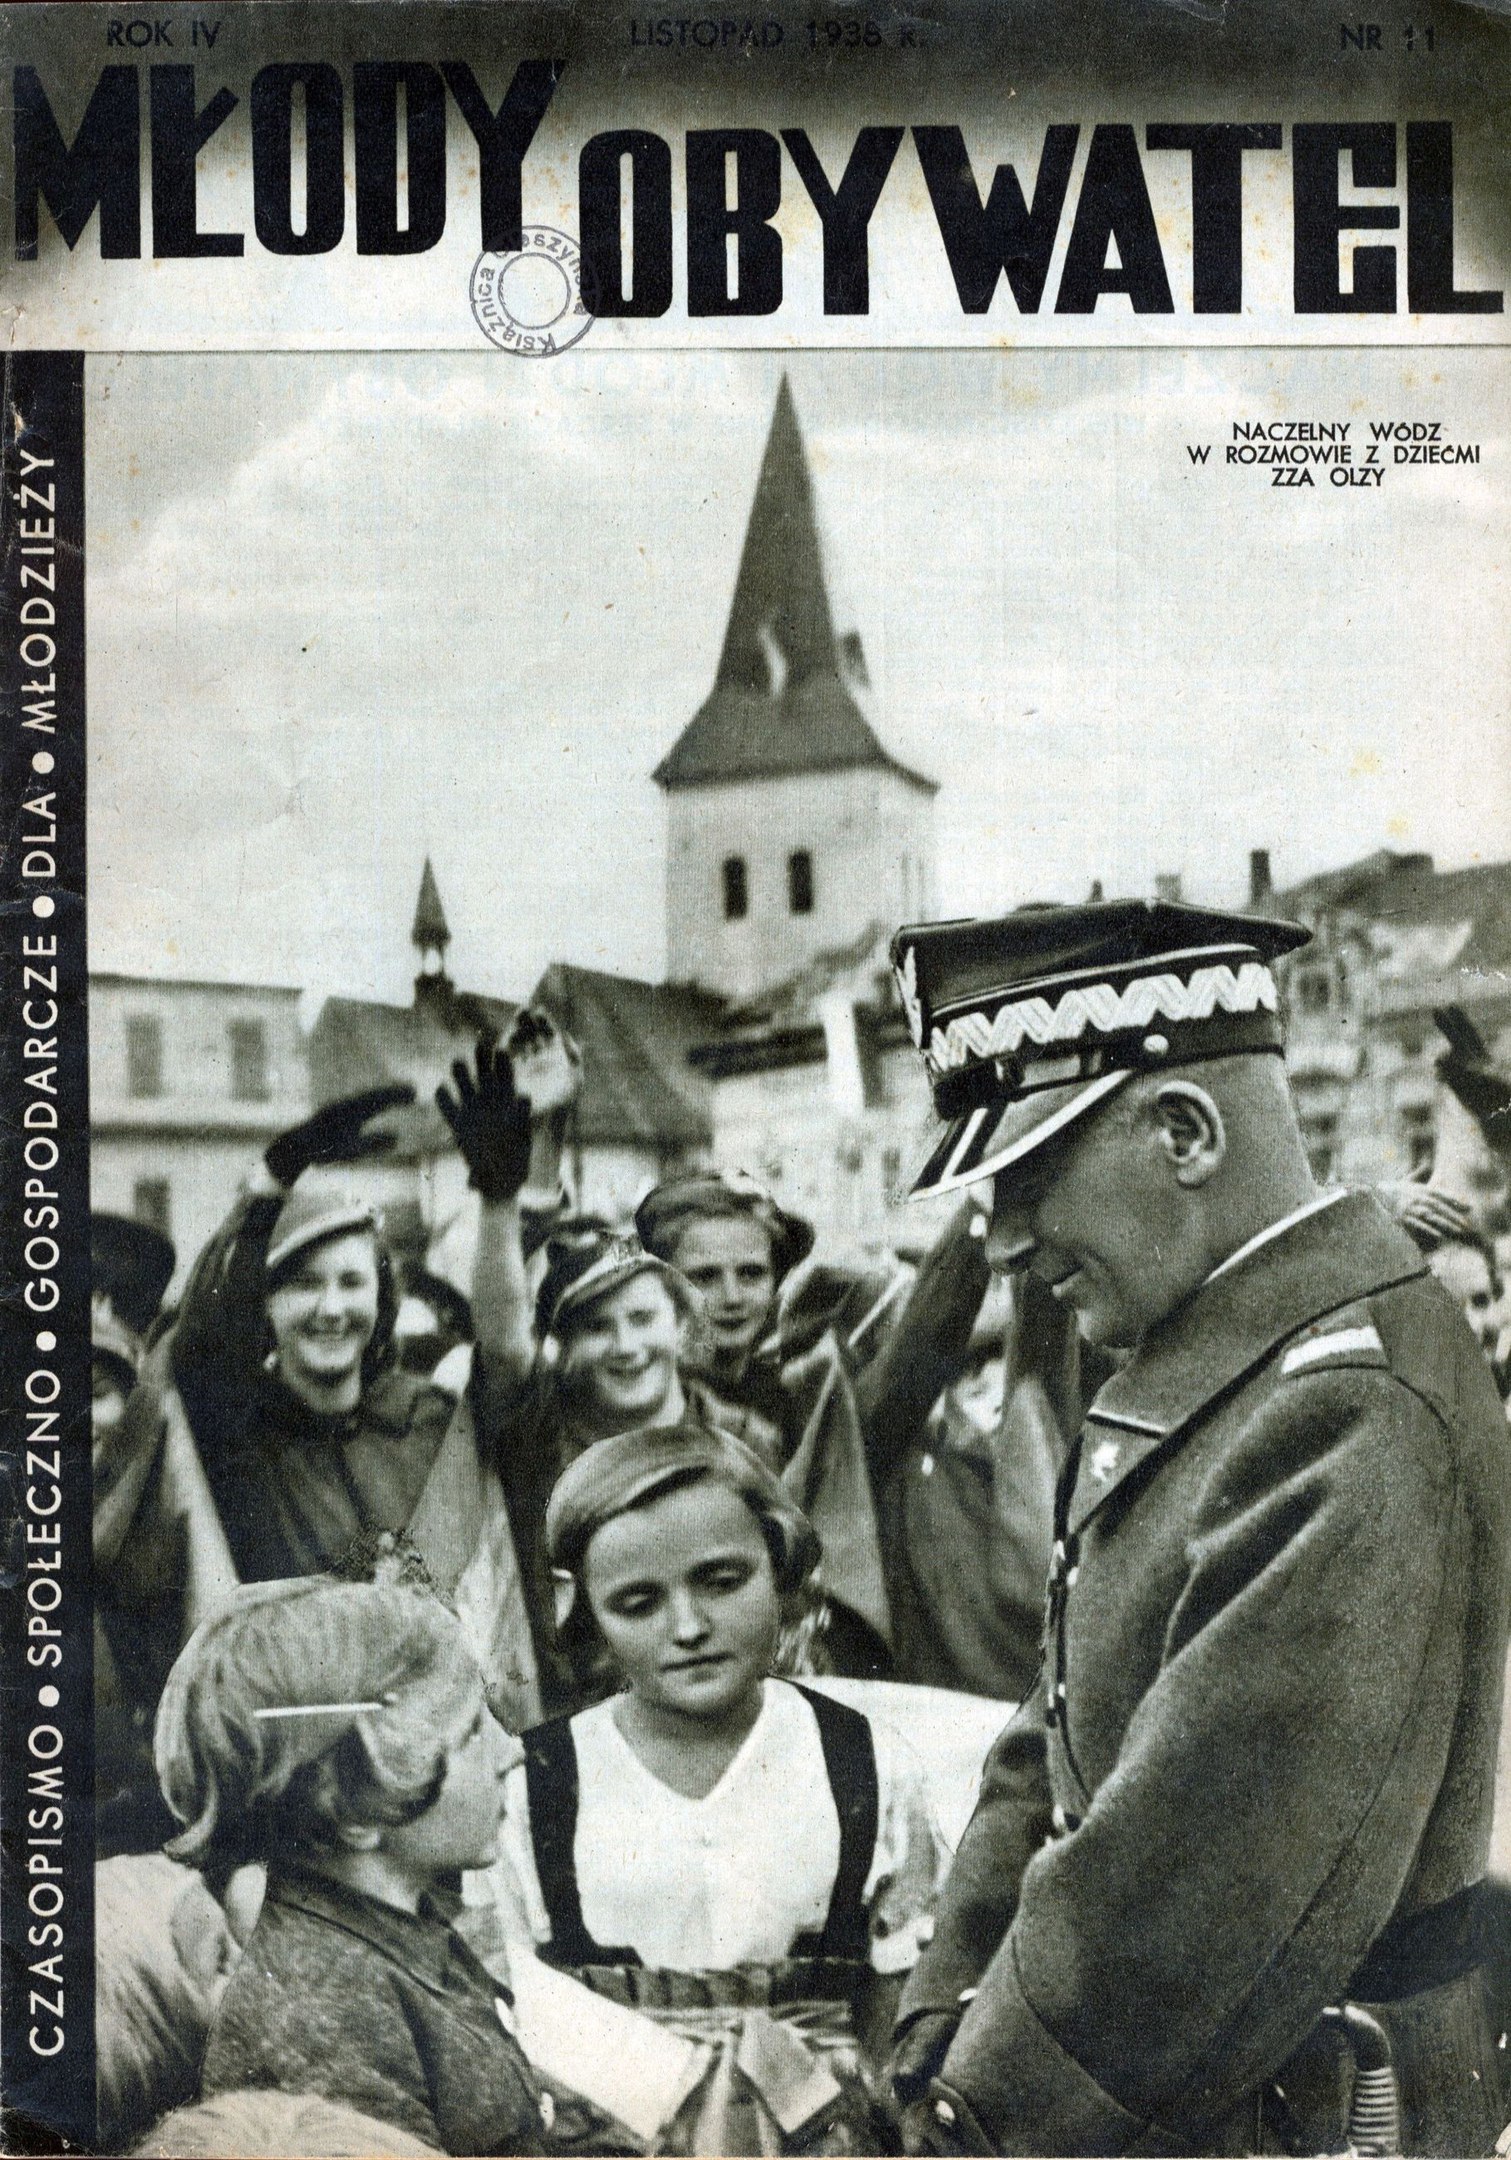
756	1093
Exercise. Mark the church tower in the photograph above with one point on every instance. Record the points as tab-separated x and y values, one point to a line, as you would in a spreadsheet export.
791	830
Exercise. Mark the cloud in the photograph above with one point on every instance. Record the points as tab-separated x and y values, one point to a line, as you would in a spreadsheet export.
343	611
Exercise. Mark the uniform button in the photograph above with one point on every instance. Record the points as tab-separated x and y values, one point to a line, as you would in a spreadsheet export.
926	1467
944	2113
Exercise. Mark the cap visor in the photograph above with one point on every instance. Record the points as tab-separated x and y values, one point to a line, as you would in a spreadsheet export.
601	1280
335	1222
987	1140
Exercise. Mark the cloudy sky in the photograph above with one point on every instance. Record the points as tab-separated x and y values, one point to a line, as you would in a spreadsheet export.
348	610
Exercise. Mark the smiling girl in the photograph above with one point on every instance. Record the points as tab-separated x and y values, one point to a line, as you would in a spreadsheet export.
308	1440
736	1246
742	1858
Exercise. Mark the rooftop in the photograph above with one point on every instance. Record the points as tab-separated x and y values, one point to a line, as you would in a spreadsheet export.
1422	920
357	1043
638	1087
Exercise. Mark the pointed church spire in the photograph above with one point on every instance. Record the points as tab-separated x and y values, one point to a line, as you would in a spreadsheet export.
431	934
786	695
781	628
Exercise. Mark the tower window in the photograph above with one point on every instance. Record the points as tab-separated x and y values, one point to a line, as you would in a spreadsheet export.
144	1055
736	888
249	1061
800	882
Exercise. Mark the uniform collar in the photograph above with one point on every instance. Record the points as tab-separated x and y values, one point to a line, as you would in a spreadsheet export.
1323	1258
1314	1206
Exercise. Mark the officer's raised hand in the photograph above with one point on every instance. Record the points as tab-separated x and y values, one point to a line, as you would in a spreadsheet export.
489	1120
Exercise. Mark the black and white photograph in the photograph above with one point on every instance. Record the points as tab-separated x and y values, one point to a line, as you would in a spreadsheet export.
797	1157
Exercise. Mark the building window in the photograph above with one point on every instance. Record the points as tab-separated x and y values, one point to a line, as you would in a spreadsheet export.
800	882
1313	989
736	888
144	1055
1417	1135
1319	1130
151	1203
249	1061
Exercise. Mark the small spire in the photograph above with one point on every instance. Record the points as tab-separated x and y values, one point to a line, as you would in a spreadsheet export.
430	934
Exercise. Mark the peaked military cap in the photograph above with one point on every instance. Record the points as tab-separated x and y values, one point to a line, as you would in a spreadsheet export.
1026	1021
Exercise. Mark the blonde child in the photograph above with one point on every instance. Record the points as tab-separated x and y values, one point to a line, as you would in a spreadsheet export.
337	1732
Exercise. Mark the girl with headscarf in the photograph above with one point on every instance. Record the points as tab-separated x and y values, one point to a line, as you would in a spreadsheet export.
338	1733
745	1859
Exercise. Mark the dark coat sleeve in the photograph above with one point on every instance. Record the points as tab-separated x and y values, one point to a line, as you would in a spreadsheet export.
926	1349
218	1339
1258	1826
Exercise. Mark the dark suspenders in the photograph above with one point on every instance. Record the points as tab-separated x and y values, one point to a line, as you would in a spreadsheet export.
551	1782
849	1760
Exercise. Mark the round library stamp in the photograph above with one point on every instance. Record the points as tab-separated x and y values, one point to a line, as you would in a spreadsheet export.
531	300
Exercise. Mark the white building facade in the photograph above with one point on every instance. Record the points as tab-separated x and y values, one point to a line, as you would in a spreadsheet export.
188	1083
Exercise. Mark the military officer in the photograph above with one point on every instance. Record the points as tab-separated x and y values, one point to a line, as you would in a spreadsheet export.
1254	1779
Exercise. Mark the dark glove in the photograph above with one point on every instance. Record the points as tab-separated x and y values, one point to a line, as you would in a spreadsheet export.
1465	1068
918	2053
336	1134
1483	1093
1464	1039
489	1121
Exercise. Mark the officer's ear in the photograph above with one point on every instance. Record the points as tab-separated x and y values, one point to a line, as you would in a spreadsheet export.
1189	1131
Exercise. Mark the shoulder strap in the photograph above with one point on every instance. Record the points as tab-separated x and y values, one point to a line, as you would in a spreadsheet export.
551	1783
850	1760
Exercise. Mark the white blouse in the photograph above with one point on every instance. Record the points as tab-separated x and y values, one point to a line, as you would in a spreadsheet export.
736	1877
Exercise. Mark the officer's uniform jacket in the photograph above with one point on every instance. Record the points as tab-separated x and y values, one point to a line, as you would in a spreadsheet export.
1263	1737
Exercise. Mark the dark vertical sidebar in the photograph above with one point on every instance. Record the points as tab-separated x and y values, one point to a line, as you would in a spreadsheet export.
47	2049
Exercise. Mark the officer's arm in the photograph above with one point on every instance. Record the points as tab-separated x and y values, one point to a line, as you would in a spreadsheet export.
1253	1836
